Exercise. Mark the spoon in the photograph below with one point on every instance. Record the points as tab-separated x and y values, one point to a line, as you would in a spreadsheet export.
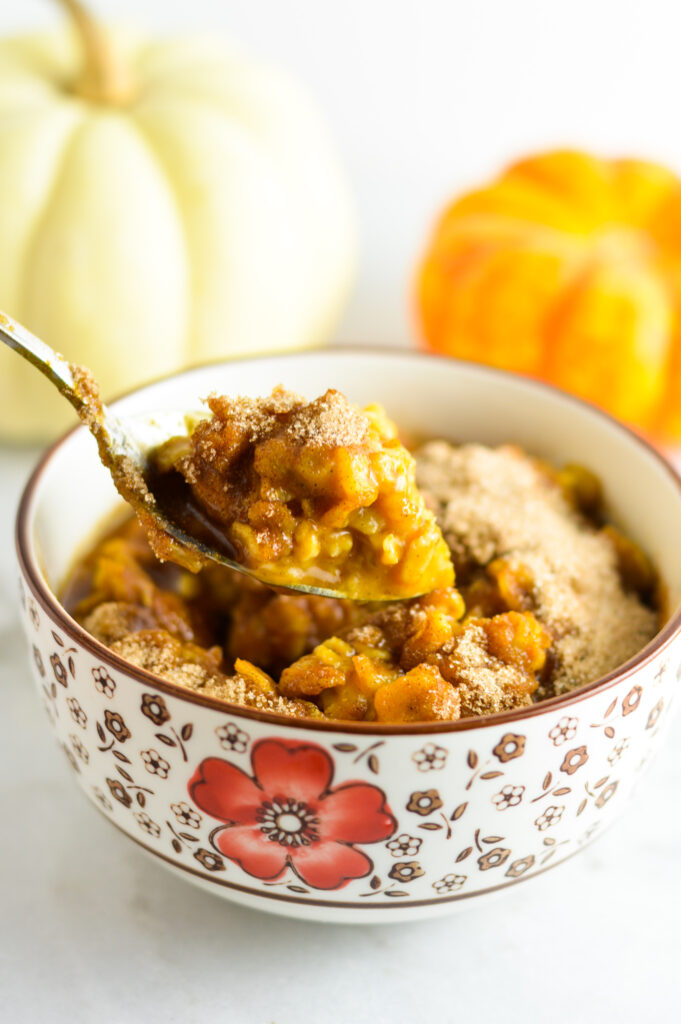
123	445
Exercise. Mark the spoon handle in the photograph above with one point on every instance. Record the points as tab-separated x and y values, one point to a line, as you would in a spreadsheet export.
106	428
51	363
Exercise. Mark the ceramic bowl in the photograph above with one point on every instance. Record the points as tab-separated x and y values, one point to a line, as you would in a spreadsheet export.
370	823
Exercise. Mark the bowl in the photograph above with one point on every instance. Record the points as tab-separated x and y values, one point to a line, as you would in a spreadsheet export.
353	822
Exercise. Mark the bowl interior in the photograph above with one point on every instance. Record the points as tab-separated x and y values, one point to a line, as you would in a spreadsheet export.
428	396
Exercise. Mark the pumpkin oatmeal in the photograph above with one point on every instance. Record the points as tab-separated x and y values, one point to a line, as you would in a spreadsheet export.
524	537
320	494
548	596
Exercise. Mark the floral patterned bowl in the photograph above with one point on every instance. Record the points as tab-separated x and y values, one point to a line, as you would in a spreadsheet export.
354	822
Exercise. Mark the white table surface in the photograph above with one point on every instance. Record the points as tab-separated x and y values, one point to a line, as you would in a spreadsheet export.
92	930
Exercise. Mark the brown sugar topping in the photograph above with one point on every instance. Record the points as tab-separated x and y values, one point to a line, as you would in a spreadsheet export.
317	494
114	620
500	503
160	653
328	421
257	418
485	684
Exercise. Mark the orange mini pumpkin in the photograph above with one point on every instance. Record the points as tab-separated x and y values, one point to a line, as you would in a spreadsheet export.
567	267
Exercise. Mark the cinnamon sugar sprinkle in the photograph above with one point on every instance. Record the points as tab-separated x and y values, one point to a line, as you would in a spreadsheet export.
493	503
486	685
329	421
165	659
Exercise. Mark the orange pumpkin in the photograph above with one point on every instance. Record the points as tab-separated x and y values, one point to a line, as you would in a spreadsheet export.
567	267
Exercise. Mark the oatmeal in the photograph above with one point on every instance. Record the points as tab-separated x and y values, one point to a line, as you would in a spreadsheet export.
548	597
519	539
320	494
419	662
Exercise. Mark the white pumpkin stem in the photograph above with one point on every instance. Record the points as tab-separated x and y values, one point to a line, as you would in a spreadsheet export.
105	78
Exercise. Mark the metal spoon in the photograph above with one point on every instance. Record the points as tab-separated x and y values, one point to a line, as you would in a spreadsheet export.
123	448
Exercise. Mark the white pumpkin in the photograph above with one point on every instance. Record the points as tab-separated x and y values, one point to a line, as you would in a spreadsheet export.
162	203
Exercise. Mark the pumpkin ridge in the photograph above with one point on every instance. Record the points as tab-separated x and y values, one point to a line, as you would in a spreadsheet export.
167	168
34	234
173	189
646	327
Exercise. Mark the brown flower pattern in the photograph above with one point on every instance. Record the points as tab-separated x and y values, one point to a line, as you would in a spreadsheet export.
550	817
574	759
146	824
59	670
632	700
76	712
101	799
401	861
70	756
155	764
49	710
116	726
232	738
210	861
154	708
186	815
606	794
38	659
654	715
103	681
119	792
509	796
33	612
564	730
430	758
520	866
424	802
617	751
509	747
493	858
404	845
449	883
79	749
406	871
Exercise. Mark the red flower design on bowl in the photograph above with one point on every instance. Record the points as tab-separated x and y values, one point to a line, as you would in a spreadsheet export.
286	814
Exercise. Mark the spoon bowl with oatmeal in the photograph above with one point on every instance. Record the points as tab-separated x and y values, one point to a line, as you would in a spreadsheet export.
318	497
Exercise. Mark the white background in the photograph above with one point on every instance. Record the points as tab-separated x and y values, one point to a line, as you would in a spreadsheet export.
425	98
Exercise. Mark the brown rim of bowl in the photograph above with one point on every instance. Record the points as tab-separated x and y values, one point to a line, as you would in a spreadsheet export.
50	603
